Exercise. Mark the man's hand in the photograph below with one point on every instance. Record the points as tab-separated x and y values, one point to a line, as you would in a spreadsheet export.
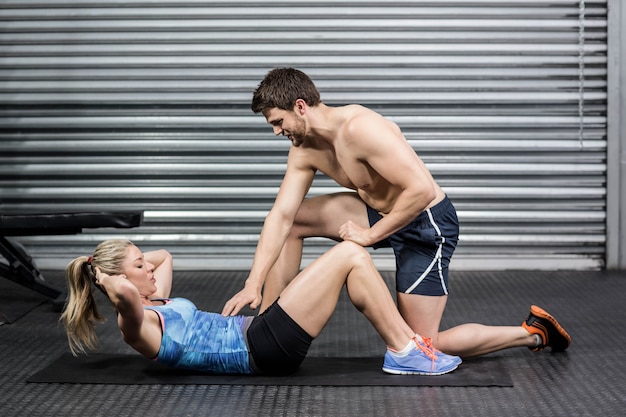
249	295
355	233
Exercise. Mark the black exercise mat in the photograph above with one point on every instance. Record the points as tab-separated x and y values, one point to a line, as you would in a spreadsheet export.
315	371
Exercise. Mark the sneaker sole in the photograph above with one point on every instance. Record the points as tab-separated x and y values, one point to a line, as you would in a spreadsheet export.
542	314
398	372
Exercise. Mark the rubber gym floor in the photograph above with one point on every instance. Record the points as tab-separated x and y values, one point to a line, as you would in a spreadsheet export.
586	380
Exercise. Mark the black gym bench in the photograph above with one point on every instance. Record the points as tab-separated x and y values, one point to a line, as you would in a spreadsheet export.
21	268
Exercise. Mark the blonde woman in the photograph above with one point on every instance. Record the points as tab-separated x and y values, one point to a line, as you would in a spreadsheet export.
172	331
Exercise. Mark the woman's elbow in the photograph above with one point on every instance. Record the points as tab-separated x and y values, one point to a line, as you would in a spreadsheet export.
124	292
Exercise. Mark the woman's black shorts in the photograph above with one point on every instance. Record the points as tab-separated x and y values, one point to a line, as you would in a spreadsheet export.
278	345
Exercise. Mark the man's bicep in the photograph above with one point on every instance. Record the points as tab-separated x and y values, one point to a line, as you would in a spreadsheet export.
389	154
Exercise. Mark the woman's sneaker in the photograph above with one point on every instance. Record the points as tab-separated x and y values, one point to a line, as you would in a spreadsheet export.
423	360
551	333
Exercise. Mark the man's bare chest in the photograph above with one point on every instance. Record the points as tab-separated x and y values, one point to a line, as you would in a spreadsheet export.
349	172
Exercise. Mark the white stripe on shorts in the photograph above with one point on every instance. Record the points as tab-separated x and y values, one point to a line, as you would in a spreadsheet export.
436	259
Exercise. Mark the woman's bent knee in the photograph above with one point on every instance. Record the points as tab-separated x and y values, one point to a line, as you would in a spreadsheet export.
353	251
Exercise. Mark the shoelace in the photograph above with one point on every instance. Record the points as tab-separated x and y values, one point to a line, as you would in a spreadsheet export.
426	346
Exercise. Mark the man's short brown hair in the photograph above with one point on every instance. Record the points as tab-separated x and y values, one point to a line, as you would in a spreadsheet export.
280	89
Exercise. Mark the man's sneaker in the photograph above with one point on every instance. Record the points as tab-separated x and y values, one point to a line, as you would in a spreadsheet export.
423	360
551	333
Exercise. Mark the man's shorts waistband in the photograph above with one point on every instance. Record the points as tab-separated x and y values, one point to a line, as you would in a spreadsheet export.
441	207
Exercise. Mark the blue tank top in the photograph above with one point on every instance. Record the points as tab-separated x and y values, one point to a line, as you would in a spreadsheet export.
199	340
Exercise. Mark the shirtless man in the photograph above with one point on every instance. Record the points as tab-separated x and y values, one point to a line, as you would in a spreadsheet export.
396	202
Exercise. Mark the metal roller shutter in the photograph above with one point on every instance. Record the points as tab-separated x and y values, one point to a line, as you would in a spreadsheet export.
145	105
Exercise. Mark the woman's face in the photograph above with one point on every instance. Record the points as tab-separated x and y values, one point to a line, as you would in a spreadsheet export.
139	271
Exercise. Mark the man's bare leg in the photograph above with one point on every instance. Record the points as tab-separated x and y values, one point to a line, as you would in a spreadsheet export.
283	272
320	216
423	314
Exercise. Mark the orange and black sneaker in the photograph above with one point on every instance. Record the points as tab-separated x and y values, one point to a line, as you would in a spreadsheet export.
551	333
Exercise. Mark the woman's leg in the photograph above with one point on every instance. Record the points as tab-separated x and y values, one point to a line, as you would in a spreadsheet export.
311	298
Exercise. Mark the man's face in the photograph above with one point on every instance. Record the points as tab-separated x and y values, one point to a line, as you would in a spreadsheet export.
287	123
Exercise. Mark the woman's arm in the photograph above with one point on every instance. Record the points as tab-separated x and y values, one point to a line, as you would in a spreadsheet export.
163	267
141	331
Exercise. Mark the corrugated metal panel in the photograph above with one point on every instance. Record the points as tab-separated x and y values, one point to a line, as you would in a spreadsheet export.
145	105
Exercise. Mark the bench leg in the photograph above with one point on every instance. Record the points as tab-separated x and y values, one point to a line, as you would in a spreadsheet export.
22	270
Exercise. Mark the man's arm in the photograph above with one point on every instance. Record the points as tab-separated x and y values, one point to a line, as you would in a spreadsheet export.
379	143
296	183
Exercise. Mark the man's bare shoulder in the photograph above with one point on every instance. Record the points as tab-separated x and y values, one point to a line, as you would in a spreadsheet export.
363	122
307	157
351	111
